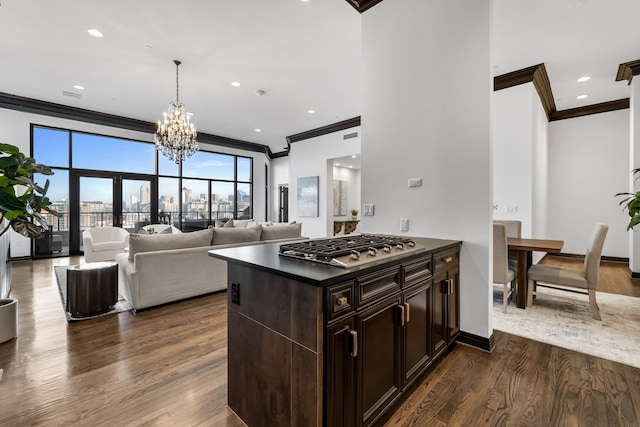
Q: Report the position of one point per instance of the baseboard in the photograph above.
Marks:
(482, 343)
(21, 258)
(634, 274)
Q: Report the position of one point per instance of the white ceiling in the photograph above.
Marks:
(304, 55)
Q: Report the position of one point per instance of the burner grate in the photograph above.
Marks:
(328, 249)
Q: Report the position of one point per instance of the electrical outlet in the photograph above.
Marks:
(512, 209)
(235, 293)
(415, 182)
(368, 209)
(404, 224)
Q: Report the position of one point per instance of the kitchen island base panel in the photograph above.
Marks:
(276, 375)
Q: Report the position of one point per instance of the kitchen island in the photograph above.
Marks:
(311, 344)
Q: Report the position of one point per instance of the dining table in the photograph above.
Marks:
(524, 249)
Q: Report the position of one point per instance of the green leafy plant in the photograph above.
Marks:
(20, 211)
(354, 212)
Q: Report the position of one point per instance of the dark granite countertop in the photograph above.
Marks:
(265, 257)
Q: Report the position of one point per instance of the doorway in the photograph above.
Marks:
(101, 199)
(283, 203)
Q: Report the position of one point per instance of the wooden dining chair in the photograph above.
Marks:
(502, 274)
(568, 279)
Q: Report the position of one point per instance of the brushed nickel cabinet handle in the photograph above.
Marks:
(402, 313)
(354, 343)
(407, 312)
(447, 259)
(341, 301)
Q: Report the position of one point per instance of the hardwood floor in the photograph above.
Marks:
(167, 366)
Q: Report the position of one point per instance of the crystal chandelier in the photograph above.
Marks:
(176, 137)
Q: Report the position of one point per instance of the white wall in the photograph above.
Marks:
(15, 130)
(310, 158)
(512, 121)
(540, 168)
(426, 101)
(588, 165)
(634, 163)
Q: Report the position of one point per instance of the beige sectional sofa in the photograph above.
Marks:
(163, 268)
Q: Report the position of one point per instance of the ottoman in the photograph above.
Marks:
(92, 288)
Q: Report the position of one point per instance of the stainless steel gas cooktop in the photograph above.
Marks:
(351, 251)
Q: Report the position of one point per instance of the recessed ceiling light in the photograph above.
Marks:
(258, 130)
(236, 84)
(354, 156)
(581, 96)
(79, 87)
(584, 79)
(311, 111)
(304, 1)
(350, 166)
(337, 164)
(94, 32)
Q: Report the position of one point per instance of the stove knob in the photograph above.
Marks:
(372, 251)
(386, 248)
(400, 246)
(354, 255)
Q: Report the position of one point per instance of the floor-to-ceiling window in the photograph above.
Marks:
(101, 180)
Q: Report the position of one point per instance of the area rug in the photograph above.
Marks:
(564, 319)
(61, 278)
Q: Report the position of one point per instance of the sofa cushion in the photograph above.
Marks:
(225, 236)
(281, 232)
(160, 242)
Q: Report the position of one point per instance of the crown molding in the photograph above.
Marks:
(324, 130)
(627, 70)
(363, 5)
(603, 107)
(536, 74)
(30, 105)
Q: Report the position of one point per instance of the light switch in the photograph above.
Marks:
(368, 209)
(404, 224)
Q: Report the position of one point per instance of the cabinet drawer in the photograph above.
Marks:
(339, 301)
(446, 259)
(375, 286)
(416, 272)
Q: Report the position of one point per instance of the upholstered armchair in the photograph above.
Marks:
(104, 243)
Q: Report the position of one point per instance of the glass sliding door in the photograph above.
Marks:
(96, 203)
(104, 199)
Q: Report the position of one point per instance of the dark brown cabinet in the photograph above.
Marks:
(341, 342)
(417, 331)
(378, 362)
(446, 298)
(387, 328)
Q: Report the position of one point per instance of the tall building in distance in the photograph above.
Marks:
(145, 193)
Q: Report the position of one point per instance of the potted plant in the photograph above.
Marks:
(354, 214)
(632, 204)
(22, 203)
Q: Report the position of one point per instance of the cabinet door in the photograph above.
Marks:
(417, 331)
(453, 321)
(341, 350)
(440, 312)
(379, 377)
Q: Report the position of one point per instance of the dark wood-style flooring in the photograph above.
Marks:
(167, 367)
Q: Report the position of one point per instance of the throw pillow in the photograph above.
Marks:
(228, 224)
(143, 231)
(221, 222)
(226, 236)
(288, 231)
(145, 243)
(167, 230)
